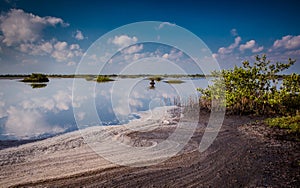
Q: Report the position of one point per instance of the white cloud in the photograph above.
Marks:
(293, 53)
(26, 48)
(282, 49)
(48, 104)
(135, 102)
(129, 57)
(93, 57)
(80, 115)
(214, 55)
(71, 63)
(230, 48)
(38, 49)
(138, 56)
(23, 31)
(62, 52)
(60, 45)
(46, 47)
(59, 56)
(63, 100)
(165, 56)
(234, 32)
(133, 49)
(287, 42)
(54, 21)
(34, 103)
(121, 111)
(74, 47)
(79, 35)
(124, 40)
(27, 119)
(165, 24)
(258, 49)
(28, 123)
(174, 55)
(18, 26)
(249, 45)
(2, 109)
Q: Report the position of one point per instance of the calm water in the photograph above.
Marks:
(41, 111)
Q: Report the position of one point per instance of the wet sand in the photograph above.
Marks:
(239, 157)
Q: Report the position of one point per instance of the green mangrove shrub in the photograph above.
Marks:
(253, 89)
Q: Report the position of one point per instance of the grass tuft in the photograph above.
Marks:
(292, 123)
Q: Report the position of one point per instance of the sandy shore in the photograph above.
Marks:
(240, 156)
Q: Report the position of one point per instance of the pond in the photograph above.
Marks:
(32, 111)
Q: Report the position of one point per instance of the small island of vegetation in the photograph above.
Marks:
(155, 78)
(104, 78)
(36, 77)
(174, 81)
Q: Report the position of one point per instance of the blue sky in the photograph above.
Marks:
(52, 36)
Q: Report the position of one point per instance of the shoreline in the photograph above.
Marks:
(237, 157)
